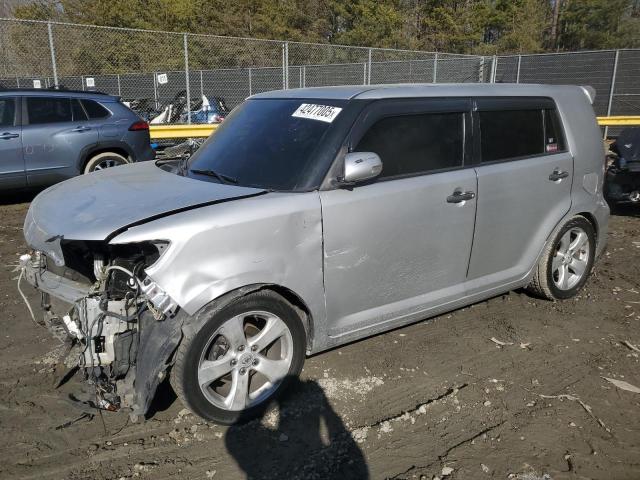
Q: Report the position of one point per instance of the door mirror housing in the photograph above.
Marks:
(360, 166)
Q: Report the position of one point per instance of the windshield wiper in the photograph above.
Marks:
(212, 173)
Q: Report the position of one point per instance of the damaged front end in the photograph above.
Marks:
(125, 325)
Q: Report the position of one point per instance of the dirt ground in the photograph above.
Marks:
(438, 397)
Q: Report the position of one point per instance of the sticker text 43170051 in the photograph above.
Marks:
(324, 113)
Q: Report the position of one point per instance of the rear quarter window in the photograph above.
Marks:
(94, 109)
(553, 133)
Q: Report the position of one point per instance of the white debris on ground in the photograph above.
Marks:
(346, 389)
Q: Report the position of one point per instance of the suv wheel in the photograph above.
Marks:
(566, 262)
(104, 160)
(240, 357)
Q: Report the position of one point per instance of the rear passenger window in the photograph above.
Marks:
(94, 109)
(553, 135)
(7, 112)
(77, 111)
(413, 144)
(506, 134)
(48, 110)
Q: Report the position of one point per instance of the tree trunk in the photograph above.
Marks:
(554, 23)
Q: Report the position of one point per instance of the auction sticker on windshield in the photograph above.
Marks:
(324, 113)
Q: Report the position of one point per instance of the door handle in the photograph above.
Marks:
(558, 175)
(7, 135)
(460, 196)
(81, 129)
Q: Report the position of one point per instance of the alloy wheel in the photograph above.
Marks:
(245, 360)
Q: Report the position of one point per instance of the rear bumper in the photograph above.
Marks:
(147, 153)
(601, 215)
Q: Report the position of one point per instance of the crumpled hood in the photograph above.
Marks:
(94, 206)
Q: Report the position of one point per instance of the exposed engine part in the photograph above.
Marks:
(114, 309)
(162, 302)
(72, 327)
(100, 320)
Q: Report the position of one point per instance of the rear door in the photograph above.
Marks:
(56, 133)
(524, 186)
(399, 245)
(11, 159)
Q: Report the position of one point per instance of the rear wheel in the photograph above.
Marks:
(104, 160)
(566, 262)
(239, 358)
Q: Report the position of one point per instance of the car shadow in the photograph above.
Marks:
(300, 436)
(18, 196)
(625, 210)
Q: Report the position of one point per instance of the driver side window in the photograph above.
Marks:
(415, 144)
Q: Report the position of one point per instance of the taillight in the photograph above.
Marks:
(139, 125)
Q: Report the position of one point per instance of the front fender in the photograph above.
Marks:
(272, 239)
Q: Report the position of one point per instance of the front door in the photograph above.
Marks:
(399, 245)
(11, 159)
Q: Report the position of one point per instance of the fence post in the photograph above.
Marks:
(435, 68)
(53, 54)
(369, 69)
(364, 73)
(155, 89)
(304, 76)
(494, 68)
(611, 90)
(285, 65)
(481, 70)
(119, 90)
(186, 76)
(250, 83)
(518, 72)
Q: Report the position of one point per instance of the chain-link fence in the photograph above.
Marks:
(154, 67)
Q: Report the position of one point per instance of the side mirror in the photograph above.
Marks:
(361, 166)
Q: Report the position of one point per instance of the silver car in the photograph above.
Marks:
(310, 219)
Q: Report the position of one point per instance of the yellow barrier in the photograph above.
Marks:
(618, 121)
(181, 131)
(195, 131)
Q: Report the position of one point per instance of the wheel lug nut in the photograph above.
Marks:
(241, 348)
(254, 348)
(255, 362)
(233, 362)
(243, 371)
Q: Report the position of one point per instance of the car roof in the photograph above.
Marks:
(415, 90)
(45, 92)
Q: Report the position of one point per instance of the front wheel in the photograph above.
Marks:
(566, 262)
(239, 358)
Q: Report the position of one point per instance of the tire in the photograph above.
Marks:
(213, 345)
(566, 262)
(104, 160)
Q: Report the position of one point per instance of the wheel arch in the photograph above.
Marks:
(592, 220)
(288, 295)
(98, 149)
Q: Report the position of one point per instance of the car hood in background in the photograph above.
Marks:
(94, 206)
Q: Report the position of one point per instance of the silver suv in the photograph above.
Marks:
(313, 218)
(50, 135)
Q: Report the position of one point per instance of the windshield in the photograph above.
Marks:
(262, 144)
